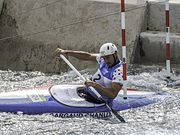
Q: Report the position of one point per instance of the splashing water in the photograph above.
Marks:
(160, 118)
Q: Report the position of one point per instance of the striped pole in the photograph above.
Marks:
(123, 30)
(168, 68)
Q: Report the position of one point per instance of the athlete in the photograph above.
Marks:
(108, 78)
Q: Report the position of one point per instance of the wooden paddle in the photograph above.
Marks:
(113, 112)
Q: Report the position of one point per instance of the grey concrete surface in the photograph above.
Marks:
(152, 48)
(82, 25)
(69, 24)
(156, 17)
(151, 45)
(1, 5)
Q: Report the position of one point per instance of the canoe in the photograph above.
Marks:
(64, 101)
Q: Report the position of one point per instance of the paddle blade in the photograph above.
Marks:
(120, 118)
(113, 112)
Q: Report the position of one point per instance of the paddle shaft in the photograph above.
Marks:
(72, 67)
(79, 74)
(113, 112)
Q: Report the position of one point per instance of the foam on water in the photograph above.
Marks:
(160, 118)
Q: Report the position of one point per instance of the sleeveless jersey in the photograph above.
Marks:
(106, 76)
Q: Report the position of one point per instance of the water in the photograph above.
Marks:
(161, 118)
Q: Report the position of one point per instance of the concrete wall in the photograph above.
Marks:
(156, 17)
(69, 24)
(153, 48)
(1, 5)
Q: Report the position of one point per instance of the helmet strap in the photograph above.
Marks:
(116, 60)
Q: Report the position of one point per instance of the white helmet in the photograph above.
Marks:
(107, 49)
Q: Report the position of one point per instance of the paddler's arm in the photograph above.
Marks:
(77, 54)
(109, 92)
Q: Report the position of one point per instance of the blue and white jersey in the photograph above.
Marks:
(105, 75)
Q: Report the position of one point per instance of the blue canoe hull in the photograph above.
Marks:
(63, 101)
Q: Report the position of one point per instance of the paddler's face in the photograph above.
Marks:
(109, 59)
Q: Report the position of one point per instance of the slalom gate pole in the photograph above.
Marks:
(123, 31)
(168, 68)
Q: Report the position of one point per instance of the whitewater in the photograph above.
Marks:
(160, 118)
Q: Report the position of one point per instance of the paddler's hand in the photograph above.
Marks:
(90, 83)
(59, 51)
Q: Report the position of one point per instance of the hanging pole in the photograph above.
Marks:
(168, 68)
(123, 31)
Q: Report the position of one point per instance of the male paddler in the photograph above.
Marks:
(108, 78)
